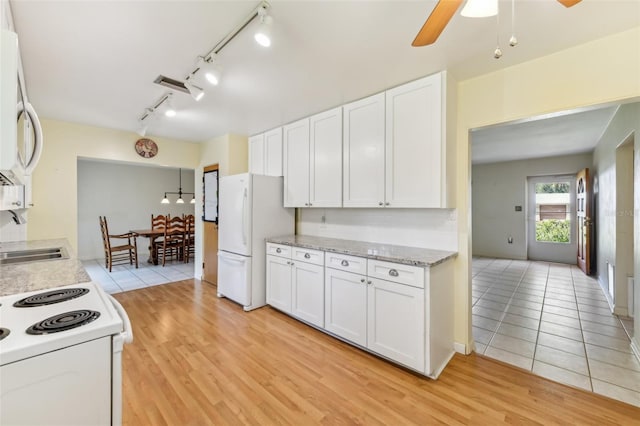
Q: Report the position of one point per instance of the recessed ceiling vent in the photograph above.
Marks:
(171, 83)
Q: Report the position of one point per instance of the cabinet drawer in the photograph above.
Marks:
(279, 250)
(307, 255)
(345, 262)
(396, 272)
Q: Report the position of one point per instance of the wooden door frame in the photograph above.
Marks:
(584, 221)
(207, 229)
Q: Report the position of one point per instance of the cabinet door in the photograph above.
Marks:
(395, 322)
(345, 312)
(363, 153)
(308, 293)
(256, 154)
(279, 283)
(296, 164)
(273, 152)
(326, 159)
(414, 141)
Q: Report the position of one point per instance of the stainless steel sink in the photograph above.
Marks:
(35, 255)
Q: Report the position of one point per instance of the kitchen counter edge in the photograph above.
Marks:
(386, 252)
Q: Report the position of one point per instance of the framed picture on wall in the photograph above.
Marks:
(210, 196)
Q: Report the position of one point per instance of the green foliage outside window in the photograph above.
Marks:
(553, 231)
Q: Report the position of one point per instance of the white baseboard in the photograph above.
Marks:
(461, 348)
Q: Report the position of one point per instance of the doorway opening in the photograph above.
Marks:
(551, 215)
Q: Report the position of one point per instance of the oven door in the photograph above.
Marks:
(70, 386)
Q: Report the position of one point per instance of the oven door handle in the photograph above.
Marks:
(127, 334)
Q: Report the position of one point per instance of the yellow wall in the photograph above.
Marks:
(602, 71)
(55, 194)
(230, 152)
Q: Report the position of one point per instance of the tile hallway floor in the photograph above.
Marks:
(127, 277)
(551, 319)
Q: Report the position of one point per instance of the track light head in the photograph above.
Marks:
(196, 92)
(263, 34)
(170, 111)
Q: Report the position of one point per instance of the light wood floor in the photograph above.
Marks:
(200, 360)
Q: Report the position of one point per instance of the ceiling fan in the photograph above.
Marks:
(442, 14)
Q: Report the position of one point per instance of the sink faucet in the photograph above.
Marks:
(18, 219)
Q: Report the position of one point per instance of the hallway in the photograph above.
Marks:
(551, 319)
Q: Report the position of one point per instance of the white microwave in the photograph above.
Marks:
(20, 131)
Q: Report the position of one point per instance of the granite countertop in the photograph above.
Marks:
(387, 252)
(43, 274)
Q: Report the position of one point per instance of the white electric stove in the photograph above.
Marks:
(61, 351)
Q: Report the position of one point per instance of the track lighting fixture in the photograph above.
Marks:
(208, 65)
(263, 34)
(196, 92)
(170, 111)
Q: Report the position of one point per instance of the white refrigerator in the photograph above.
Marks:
(250, 210)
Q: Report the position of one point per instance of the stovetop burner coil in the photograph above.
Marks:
(4, 332)
(63, 322)
(51, 297)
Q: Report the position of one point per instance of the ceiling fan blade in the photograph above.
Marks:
(439, 18)
(569, 3)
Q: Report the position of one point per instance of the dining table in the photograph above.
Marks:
(153, 235)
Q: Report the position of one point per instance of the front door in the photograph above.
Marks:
(584, 221)
(210, 244)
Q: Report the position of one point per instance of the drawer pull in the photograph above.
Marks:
(307, 256)
(344, 263)
(361, 280)
(278, 250)
(369, 282)
(393, 273)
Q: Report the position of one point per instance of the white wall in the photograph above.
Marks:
(624, 123)
(425, 228)
(497, 188)
(127, 195)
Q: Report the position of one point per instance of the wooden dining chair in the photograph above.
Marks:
(190, 233)
(118, 254)
(173, 240)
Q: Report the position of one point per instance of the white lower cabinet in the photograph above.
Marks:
(296, 287)
(401, 312)
(345, 308)
(395, 322)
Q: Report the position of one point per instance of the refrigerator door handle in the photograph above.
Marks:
(244, 217)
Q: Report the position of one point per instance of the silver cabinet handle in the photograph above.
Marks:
(310, 204)
(288, 263)
(381, 203)
(278, 250)
(361, 280)
(369, 282)
(344, 263)
(17, 203)
(393, 273)
(387, 203)
(306, 204)
(307, 256)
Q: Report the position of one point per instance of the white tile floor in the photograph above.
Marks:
(127, 277)
(553, 320)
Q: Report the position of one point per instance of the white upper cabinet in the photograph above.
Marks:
(265, 153)
(256, 154)
(273, 152)
(414, 144)
(364, 152)
(325, 183)
(296, 163)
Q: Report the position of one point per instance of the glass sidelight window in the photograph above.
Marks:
(553, 211)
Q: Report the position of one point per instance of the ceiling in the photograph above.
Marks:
(94, 62)
(567, 133)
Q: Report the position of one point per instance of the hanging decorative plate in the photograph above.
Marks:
(146, 148)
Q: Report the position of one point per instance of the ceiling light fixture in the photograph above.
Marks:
(180, 200)
(480, 8)
(263, 34)
(210, 67)
(170, 110)
(196, 92)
